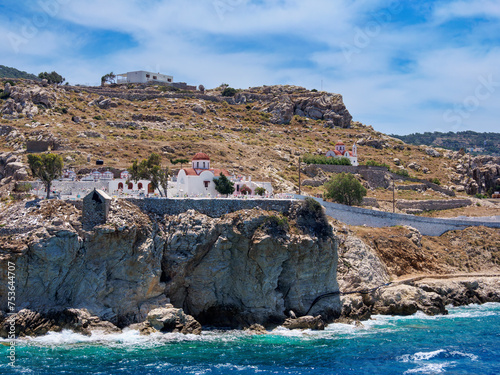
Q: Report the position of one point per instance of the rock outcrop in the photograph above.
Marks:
(243, 268)
(314, 323)
(32, 323)
(22, 100)
(170, 319)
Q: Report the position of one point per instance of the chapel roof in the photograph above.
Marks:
(201, 156)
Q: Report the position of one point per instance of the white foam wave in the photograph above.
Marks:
(426, 356)
(431, 368)
(421, 356)
(127, 337)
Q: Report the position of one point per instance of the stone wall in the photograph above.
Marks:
(377, 219)
(210, 207)
(433, 204)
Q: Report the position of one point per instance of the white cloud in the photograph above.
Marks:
(184, 39)
(474, 8)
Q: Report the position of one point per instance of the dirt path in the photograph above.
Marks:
(412, 279)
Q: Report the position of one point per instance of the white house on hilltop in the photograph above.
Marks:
(199, 179)
(341, 152)
(141, 76)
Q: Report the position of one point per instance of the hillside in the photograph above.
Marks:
(7, 72)
(261, 131)
(473, 142)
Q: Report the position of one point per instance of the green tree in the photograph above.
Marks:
(260, 191)
(179, 161)
(345, 189)
(52, 77)
(110, 77)
(46, 167)
(150, 169)
(223, 185)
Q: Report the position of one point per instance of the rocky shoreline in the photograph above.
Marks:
(251, 269)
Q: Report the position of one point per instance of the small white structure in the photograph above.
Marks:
(341, 152)
(198, 181)
(125, 186)
(108, 175)
(141, 76)
(69, 175)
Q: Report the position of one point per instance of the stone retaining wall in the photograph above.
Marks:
(209, 207)
(377, 219)
(431, 205)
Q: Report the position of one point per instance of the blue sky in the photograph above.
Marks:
(402, 66)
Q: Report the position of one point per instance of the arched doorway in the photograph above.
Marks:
(120, 186)
(150, 189)
(130, 186)
(139, 186)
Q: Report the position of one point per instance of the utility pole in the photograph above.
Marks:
(299, 177)
(393, 195)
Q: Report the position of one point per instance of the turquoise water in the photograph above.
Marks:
(467, 341)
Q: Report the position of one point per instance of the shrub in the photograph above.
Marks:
(344, 188)
(260, 191)
(229, 91)
(435, 180)
(402, 172)
(312, 219)
(314, 90)
(276, 225)
(98, 117)
(481, 196)
(22, 187)
(245, 190)
(322, 159)
(373, 163)
(53, 77)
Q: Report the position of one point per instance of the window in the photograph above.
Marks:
(147, 76)
(203, 165)
(155, 77)
(169, 80)
(207, 183)
(237, 187)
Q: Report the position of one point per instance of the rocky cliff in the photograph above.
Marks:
(245, 267)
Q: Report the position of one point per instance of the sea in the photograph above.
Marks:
(466, 341)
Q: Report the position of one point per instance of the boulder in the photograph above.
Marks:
(106, 103)
(407, 300)
(170, 319)
(315, 323)
(282, 110)
(199, 109)
(44, 97)
(432, 152)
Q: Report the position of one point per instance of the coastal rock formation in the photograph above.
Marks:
(407, 300)
(240, 270)
(243, 268)
(305, 322)
(113, 271)
(170, 319)
(32, 323)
